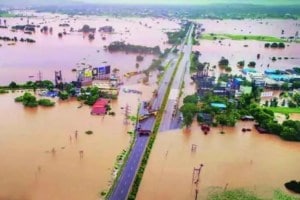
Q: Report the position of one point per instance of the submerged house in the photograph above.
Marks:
(106, 29)
(100, 107)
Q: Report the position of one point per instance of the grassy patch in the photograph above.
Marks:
(284, 110)
(2, 91)
(241, 37)
(233, 194)
(6, 14)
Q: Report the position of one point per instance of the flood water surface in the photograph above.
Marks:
(29, 169)
(20, 61)
(260, 163)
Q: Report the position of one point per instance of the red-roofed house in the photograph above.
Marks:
(99, 108)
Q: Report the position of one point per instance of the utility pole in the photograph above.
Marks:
(196, 179)
(194, 148)
(40, 76)
(126, 114)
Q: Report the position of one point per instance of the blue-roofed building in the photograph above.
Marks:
(218, 105)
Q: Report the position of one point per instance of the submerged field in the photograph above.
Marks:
(259, 163)
(21, 61)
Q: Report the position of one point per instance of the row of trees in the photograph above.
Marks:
(175, 38)
(195, 64)
(129, 48)
(15, 39)
(46, 84)
(279, 45)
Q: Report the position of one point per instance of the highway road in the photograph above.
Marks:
(171, 118)
(122, 188)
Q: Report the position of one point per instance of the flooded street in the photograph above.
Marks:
(29, 169)
(260, 163)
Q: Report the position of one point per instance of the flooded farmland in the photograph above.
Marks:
(260, 163)
(268, 27)
(49, 53)
(247, 50)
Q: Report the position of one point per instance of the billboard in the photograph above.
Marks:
(97, 73)
(104, 70)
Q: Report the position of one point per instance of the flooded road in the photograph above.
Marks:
(261, 163)
(29, 169)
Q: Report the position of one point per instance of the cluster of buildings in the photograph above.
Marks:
(233, 87)
(271, 78)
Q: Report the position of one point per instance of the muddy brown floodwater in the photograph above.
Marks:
(269, 27)
(261, 163)
(29, 169)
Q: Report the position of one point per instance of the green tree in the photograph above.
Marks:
(63, 95)
(191, 99)
(251, 64)
(296, 84)
(13, 85)
(222, 120)
(188, 119)
(296, 98)
(285, 86)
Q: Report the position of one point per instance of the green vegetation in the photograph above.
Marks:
(2, 91)
(139, 175)
(91, 94)
(195, 64)
(130, 48)
(275, 45)
(6, 14)
(189, 109)
(288, 130)
(213, 36)
(160, 76)
(280, 195)
(284, 110)
(30, 100)
(46, 102)
(242, 194)
(155, 65)
(175, 38)
(239, 194)
(46, 84)
(223, 63)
